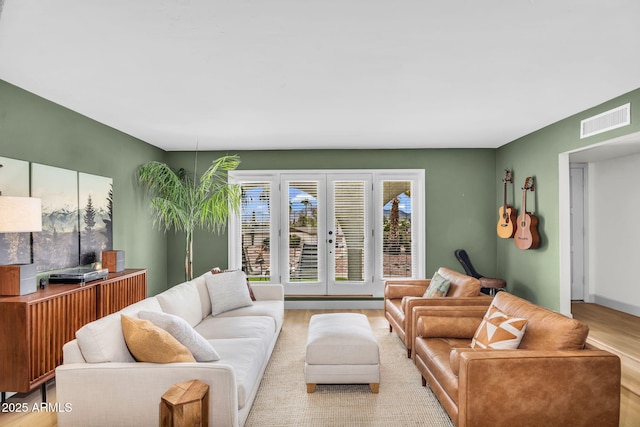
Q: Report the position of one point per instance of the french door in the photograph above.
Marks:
(329, 232)
(326, 238)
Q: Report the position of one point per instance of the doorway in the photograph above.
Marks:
(326, 237)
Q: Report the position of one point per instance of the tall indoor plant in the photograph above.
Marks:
(182, 202)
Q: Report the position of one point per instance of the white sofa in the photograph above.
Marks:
(103, 384)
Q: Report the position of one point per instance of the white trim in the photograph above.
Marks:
(564, 226)
(623, 145)
(334, 304)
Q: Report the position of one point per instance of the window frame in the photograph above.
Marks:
(418, 213)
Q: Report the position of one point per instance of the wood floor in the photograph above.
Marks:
(609, 329)
(618, 333)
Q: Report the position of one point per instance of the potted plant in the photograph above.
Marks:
(182, 202)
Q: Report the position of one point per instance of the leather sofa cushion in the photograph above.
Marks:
(546, 329)
(461, 284)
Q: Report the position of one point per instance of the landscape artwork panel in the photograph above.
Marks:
(57, 246)
(95, 197)
(15, 248)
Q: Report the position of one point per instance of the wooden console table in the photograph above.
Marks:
(34, 327)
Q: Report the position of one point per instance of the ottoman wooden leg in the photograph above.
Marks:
(375, 387)
(311, 388)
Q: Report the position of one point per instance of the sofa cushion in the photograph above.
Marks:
(201, 349)
(247, 356)
(438, 287)
(498, 330)
(461, 284)
(150, 343)
(200, 283)
(546, 329)
(102, 340)
(228, 291)
(271, 308)
(182, 300)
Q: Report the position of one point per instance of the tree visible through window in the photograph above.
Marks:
(397, 242)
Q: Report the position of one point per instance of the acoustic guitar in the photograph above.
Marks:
(507, 221)
(527, 236)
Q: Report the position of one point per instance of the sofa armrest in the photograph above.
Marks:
(128, 394)
(396, 289)
(71, 353)
(422, 306)
(512, 387)
(268, 291)
(447, 322)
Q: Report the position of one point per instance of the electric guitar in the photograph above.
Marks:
(507, 222)
(527, 236)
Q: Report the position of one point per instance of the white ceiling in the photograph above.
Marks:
(281, 74)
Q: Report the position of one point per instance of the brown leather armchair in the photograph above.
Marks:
(401, 296)
(552, 379)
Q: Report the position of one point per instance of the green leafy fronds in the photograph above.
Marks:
(182, 203)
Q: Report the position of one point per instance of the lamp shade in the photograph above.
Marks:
(20, 214)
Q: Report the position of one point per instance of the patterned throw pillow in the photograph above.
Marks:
(149, 343)
(438, 287)
(498, 330)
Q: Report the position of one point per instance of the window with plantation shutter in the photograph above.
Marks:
(256, 229)
(350, 230)
(303, 231)
(397, 241)
(338, 232)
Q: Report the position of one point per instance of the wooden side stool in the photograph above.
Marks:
(185, 405)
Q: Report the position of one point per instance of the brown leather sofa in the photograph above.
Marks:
(552, 379)
(401, 296)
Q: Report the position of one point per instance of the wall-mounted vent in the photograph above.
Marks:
(608, 120)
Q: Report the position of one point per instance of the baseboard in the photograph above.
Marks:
(330, 304)
(616, 305)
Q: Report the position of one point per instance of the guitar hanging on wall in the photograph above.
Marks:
(507, 222)
(527, 236)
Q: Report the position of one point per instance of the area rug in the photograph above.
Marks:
(282, 399)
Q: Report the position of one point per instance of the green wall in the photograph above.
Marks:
(460, 211)
(40, 131)
(463, 188)
(535, 274)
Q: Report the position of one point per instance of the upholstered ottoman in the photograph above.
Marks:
(341, 349)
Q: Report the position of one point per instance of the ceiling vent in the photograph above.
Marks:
(608, 120)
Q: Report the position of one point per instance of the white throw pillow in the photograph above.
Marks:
(228, 291)
(183, 300)
(201, 349)
(102, 340)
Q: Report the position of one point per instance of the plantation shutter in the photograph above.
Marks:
(256, 229)
(350, 232)
(303, 231)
